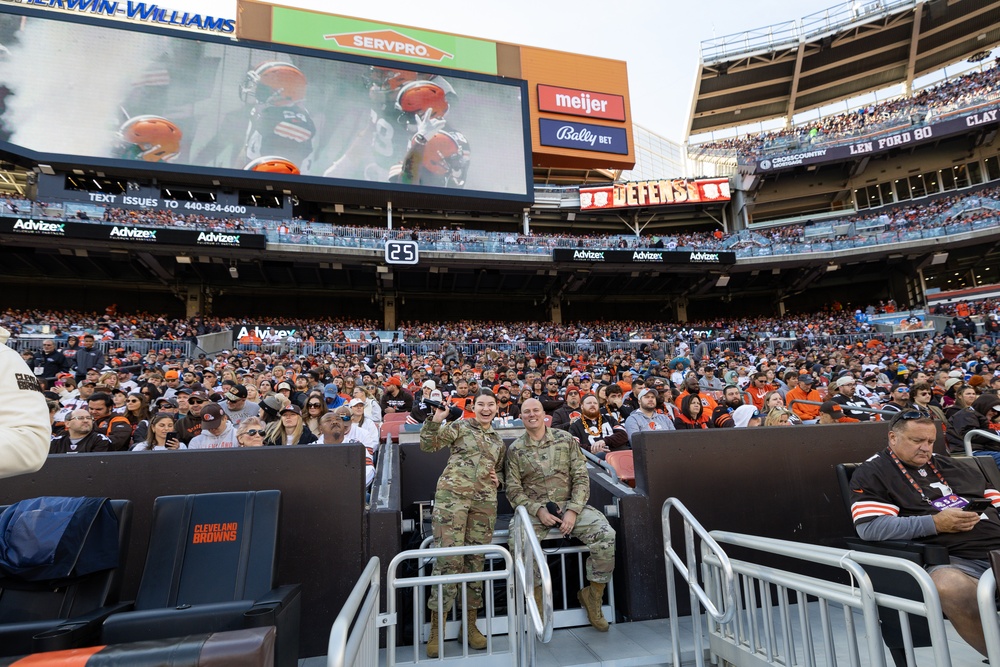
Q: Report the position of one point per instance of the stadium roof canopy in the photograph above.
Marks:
(847, 50)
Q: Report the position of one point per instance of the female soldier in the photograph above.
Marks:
(465, 503)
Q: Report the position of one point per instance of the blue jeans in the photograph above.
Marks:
(995, 455)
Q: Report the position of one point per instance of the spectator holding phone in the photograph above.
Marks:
(905, 492)
(465, 504)
(161, 435)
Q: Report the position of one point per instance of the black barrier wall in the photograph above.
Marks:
(775, 482)
(322, 509)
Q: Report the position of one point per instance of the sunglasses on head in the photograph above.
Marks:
(910, 415)
(255, 431)
(345, 418)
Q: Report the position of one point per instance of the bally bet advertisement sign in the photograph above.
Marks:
(343, 34)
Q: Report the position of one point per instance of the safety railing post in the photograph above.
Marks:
(986, 593)
(974, 433)
(354, 636)
(532, 623)
(688, 567)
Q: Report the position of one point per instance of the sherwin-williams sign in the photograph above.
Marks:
(359, 37)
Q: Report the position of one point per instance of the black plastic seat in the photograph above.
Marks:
(211, 567)
(31, 611)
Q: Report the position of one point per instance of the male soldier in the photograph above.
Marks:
(546, 466)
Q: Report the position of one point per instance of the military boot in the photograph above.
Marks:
(432, 642)
(590, 598)
(476, 639)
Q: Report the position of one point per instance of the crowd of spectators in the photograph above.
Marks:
(730, 367)
(166, 218)
(883, 225)
(957, 93)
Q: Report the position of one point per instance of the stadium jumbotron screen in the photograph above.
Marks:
(96, 92)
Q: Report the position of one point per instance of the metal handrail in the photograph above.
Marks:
(967, 440)
(690, 573)
(524, 561)
(345, 646)
(394, 581)
(851, 561)
(603, 465)
(986, 592)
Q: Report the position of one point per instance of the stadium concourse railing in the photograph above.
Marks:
(186, 349)
(744, 244)
(803, 137)
(549, 349)
(789, 33)
(182, 348)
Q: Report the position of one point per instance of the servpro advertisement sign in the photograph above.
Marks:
(367, 38)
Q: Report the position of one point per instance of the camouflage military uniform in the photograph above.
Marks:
(554, 469)
(465, 504)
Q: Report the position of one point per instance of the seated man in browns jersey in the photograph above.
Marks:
(596, 430)
(905, 492)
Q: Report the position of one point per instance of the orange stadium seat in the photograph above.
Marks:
(624, 465)
(390, 429)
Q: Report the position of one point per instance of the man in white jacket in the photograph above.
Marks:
(24, 418)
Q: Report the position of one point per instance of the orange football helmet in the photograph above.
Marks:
(447, 153)
(150, 138)
(275, 83)
(416, 97)
(272, 164)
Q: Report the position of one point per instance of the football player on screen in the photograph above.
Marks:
(406, 105)
(279, 123)
(148, 138)
(435, 156)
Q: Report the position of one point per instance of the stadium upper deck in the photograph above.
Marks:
(849, 49)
